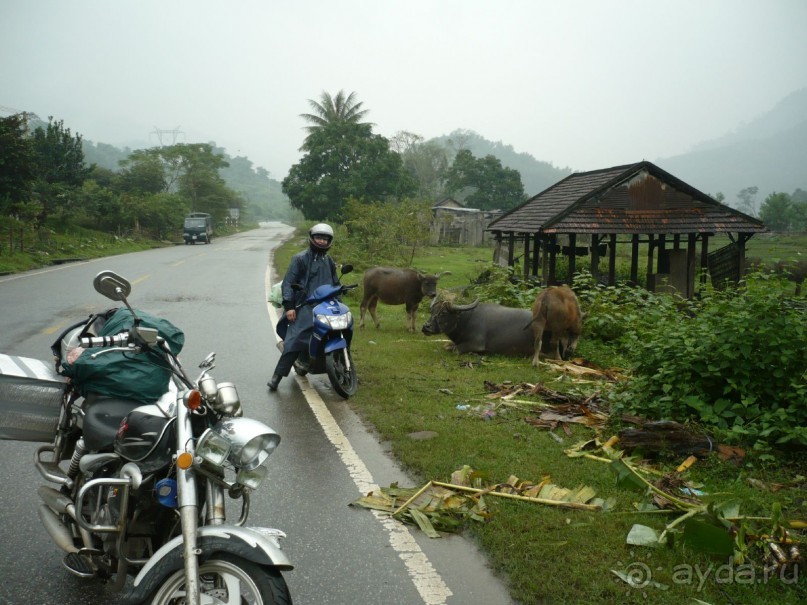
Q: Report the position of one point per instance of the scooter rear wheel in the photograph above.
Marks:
(341, 372)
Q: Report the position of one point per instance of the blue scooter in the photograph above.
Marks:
(329, 347)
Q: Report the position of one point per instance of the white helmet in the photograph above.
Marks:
(322, 230)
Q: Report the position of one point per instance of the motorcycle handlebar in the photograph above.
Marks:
(117, 340)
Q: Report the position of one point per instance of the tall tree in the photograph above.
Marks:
(775, 212)
(427, 162)
(330, 110)
(345, 160)
(17, 163)
(484, 183)
(798, 213)
(60, 167)
(748, 201)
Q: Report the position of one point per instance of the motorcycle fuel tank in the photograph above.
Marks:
(146, 436)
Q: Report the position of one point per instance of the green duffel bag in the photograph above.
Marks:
(141, 377)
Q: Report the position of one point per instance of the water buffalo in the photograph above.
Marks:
(482, 328)
(397, 287)
(556, 318)
(794, 270)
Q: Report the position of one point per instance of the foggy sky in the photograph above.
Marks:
(583, 84)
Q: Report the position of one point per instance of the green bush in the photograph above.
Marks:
(734, 361)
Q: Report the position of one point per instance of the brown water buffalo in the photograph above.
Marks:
(482, 328)
(556, 317)
(394, 286)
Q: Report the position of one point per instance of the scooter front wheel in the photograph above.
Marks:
(226, 578)
(341, 372)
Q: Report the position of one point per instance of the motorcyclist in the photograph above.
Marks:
(309, 269)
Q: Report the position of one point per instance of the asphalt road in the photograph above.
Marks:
(217, 294)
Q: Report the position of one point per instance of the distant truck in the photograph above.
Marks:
(198, 228)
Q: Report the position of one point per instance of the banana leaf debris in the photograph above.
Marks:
(446, 507)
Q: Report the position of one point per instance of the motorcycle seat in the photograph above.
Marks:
(102, 418)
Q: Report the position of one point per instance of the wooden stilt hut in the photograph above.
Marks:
(648, 211)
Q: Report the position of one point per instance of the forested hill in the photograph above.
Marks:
(535, 174)
(769, 152)
(262, 194)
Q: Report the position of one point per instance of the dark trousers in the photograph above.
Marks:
(287, 360)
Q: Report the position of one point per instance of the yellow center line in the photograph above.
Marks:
(52, 329)
(140, 279)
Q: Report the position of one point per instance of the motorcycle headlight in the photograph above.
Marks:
(251, 479)
(337, 322)
(227, 401)
(250, 442)
(213, 447)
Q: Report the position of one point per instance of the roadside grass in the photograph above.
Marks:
(53, 244)
(408, 383)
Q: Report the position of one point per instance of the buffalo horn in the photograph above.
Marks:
(468, 307)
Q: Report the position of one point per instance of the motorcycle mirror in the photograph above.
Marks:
(112, 285)
(346, 269)
(148, 335)
(208, 361)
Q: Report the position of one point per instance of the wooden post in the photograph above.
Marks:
(704, 258)
(595, 256)
(536, 253)
(662, 240)
(526, 255)
(552, 258)
(612, 261)
(691, 247)
(511, 243)
(572, 257)
(634, 260)
(651, 242)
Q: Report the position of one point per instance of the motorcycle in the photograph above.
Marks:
(143, 484)
(329, 345)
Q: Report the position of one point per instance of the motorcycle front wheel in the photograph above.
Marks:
(226, 579)
(342, 379)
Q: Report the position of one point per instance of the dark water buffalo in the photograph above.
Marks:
(397, 287)
(482, 328)
(556, 323)
(794, 270)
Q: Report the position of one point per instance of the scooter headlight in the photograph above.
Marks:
(337, 322)
(250, 443)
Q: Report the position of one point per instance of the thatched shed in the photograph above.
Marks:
(640, 205)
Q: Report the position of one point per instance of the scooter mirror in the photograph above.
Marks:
(346, 269)
(112, 285)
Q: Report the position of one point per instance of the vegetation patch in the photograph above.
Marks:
(481, 414)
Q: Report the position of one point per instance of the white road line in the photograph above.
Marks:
(431, 587)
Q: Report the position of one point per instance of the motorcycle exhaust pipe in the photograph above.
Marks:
(62, 505)
(54, 499)
(58, 531)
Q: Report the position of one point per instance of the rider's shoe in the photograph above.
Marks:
(273, 382)
(302, 367)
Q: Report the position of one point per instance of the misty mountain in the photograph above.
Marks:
(536, 175)
(769, 152)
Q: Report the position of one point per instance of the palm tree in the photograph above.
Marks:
(330, 110)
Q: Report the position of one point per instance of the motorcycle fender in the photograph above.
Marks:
(335, 343)
(258, 544)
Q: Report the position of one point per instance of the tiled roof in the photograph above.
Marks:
(602, 201)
